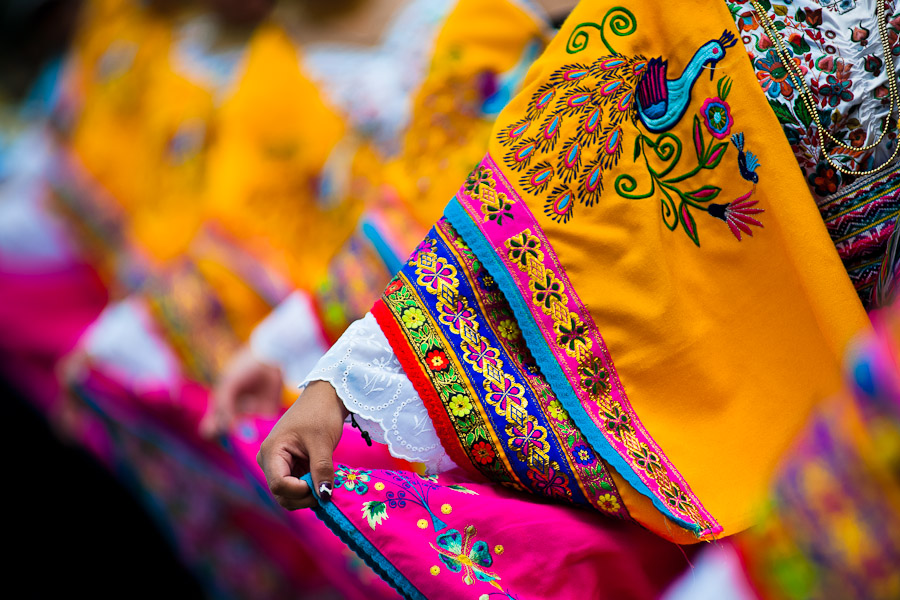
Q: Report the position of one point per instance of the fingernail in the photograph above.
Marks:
(325, 490)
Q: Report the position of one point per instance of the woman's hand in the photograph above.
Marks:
(247, 386)
(302, 442)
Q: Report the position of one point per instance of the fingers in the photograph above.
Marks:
(321, 466)
(288, 490)
(293, 503)
(303, 441)
(247, 387)
(210, 425)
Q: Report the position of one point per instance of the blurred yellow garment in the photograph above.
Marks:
(169, 206)
(113, 58)
(479, 60)
(269, 141)
(272, 140)
(141, 129)
(265, 231)
(225, 198)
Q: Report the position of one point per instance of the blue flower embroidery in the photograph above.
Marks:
(353, 480)
(836, 90)
(583, 454)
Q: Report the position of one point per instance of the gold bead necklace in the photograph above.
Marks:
(810, 103)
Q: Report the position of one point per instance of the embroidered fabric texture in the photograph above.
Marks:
(370, 382)
(837, 48)
(289, 338)
(861, 219)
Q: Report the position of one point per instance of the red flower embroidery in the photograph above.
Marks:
(437, 360)
(857, 137)
(860, 35)
(748, 21)
(825, 179)
(483, 453)
(813, 17)
(393, 287)
(552, 483)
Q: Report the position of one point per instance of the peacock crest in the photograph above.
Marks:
(602, 97)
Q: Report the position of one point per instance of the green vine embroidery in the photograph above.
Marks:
(662, 155)
(621, 22)
(676, 202)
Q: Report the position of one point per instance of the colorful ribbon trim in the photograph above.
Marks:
(566, 342)
(458, 341)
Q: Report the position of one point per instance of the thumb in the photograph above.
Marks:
(321, 466)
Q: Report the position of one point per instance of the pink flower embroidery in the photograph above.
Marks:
(482, 354)
(456, 316)
(499, 395)
(717, 117)
(433, 276)
(552, 483)
(426, 246)
(737, 214)
(528, 438)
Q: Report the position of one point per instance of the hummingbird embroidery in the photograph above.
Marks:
(747, 161)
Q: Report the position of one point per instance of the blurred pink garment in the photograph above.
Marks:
(42, 315)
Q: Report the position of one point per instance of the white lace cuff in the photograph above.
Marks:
(290, 338)
(370, 382)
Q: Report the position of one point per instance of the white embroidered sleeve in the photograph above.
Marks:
(289, 338)
(370, 382)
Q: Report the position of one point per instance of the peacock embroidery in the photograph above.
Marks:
(603, 97)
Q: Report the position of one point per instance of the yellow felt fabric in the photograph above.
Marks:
(141, 129)
(724, 348)
(172, 176)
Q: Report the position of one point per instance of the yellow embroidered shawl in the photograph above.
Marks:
(647, 225)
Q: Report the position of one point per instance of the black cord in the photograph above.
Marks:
(365, 434)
